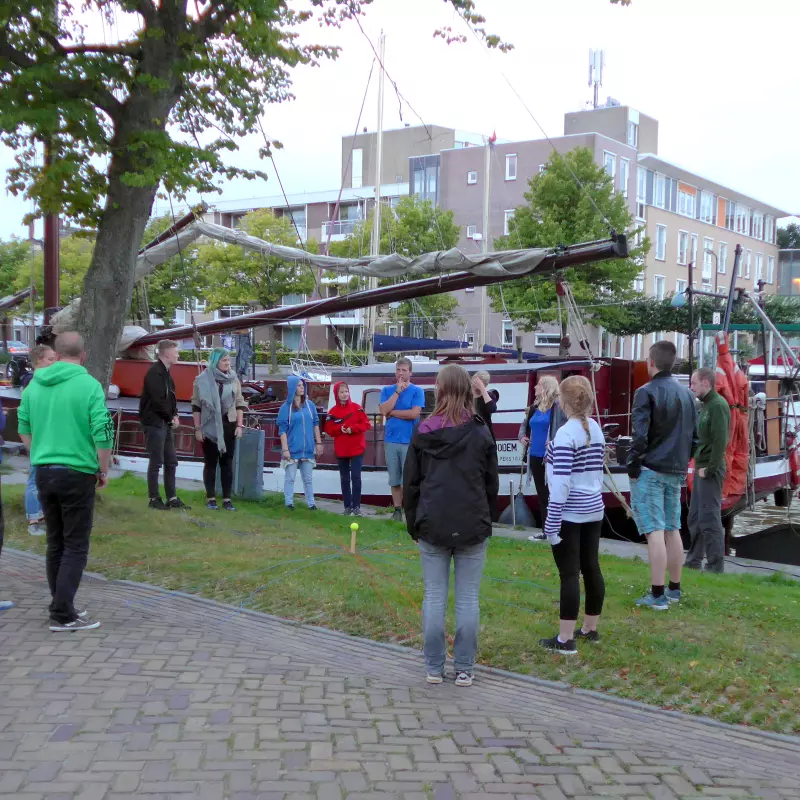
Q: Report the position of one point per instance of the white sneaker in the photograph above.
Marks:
(76, 625)
(36, 529)
(464, 679)
(435, 678)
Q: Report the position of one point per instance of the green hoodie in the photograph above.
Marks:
(64, 412)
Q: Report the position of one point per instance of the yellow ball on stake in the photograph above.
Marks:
(353, 530)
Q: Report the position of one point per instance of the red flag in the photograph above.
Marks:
(493, 137)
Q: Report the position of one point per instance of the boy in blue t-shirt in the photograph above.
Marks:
(401, 404)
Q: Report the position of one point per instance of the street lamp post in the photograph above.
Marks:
(716, 267)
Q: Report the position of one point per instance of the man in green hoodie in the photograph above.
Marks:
(66, 427)
(705, 508)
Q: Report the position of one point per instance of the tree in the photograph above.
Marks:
(789, 237)
(560, 212)
(413, 227)
(14, 254)
(237, 277)
(75, 255)
(160, 107)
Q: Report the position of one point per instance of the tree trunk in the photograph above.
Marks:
(273, 351)
(108, 287)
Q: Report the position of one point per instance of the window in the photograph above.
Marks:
(694, 249)
(741, 265)
(472, 176)
(508, 333)
(469, 338)
(661, 191)
(680, 344)
(641, 192)
(633, 134)
(179, 317)
(742, 220)
(758, 225)
(685, 203)
(730, 215)
(708, 208)
(747, 262)
(548, 340)
(638, 283)
(759, 267)
(661, 242)
(293, 299)
(391, 330)
(511, 167)
(226, 312)
(683, 247)
(472, 231)
(769, 229)
(770, 269)
(610, 164)
(542, 169)
(638, 340)
(508, 215)
(290, 337)
(708, 254)
(680, 286)
(358, 168)
(722, 262)
(659, 286)
(624, 175)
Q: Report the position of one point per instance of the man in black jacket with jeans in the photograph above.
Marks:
(664, 432)
(158, 413)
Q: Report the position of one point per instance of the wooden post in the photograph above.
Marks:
(513, 506)
(353, 534)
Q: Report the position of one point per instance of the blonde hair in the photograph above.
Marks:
(454, 394)
(484, 377)
(549, 392)
(576, 394)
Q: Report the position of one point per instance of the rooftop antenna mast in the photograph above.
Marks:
(596, 63)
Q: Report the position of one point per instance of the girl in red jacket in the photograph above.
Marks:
(346, 422)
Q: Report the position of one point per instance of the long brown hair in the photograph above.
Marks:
(454, 394)
(577, 395)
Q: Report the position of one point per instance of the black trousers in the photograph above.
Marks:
(161, 449)
(578, 554)
(542, 492)
(212, 457)
(67, 498)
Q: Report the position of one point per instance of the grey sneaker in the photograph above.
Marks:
(76, 625)
(397, 515)
(36, 529)
(672, 595)
(656, 603)
(464, 679)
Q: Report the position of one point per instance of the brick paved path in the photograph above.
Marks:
(174, 698)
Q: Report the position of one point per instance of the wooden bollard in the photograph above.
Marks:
(353, 534)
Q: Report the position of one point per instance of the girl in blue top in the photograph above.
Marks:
(543, 419)
(301, 442)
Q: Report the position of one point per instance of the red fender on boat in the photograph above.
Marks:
(733, 386)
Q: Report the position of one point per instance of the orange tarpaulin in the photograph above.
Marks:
(733, 386)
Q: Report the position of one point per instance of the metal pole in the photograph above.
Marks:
(726, 322)
(690, 292)
(774, 332)
(376, 216)
(487, 172)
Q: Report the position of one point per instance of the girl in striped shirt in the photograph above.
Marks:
(574, 461)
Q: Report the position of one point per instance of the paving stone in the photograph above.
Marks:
(173, 699)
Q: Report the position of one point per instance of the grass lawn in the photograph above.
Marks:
(730, 649)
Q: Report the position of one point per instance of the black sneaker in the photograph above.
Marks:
(347, 511)
(176, 502)
(312, 508)
(76, 625)
(464, 679)
(557, 646)
(289, 508)
(228, 506)
(397, 515)
(591, 636)
(357, 512)
(158, 504)
(211, 505)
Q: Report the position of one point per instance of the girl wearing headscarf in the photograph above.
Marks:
(301, 442)
(218, 411)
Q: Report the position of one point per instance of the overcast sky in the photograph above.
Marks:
(720, 76)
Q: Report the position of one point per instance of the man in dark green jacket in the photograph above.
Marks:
(705, 508)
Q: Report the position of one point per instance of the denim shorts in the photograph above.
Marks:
(395, 461)
(656, 501)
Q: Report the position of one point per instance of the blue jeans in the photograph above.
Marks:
(33, 508)
(656, 501)
(350, 473)
(436, 574)
(306, 471)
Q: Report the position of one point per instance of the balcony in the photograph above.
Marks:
(344, 318)
(339, 229)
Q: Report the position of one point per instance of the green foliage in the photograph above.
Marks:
(789, 237)
(412, 228)
(237, 276)
(15, 256)
(559, 212)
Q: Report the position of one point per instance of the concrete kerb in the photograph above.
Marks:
(413, 654)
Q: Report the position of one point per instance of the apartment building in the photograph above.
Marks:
(789, 273)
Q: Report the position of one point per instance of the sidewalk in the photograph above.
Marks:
(176, 697)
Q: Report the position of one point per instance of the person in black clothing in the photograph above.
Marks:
(158, 414)
(452, 456)
(485, 404)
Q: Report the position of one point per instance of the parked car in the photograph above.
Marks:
(14, 347)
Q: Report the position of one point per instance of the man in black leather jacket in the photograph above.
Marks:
(664, 431)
